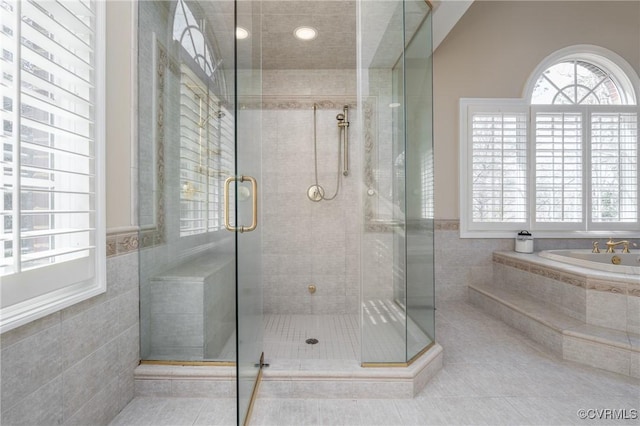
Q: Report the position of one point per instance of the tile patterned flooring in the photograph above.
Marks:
(492, 375)
(285, 335)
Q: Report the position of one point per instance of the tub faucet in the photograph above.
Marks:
(612, 244)
(595, 247)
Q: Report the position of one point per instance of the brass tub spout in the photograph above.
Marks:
(612, 244)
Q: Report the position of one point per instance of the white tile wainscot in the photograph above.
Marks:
(580, 314)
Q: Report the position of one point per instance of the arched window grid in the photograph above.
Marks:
(576, 130)
(587, 84)
(201, 53)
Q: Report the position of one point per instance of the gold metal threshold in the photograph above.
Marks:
(398, 364)
(190, 363)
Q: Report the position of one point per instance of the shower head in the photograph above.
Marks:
(340, 117)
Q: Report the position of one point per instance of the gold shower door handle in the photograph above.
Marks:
(254, 207)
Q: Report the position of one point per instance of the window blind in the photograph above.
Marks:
(206, 156)
(48, 163)
(499, 166)
(614, 167)
(558, 166)
(52, 233)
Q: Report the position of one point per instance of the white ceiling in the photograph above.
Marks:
(335, 20)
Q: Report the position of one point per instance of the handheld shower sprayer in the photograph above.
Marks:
(343, 124)
(316, 192)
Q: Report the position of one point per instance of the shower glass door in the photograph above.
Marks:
(248, 113)
(199, 120)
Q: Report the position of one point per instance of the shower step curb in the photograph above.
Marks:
(292, 379)
(347, 379)
(185, 381)
(566, 337)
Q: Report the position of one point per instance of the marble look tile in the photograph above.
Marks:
(180, 411)
(378, 412)
(84, 333)
(29, 364)
(266, 412)
(152, 388)
(128, 305)
(122, 274)
(17, 334)
(176, 297)
(203, 388)
(633, 315)
(126, 388)
(100, 409)
(42, 407)
(216, 412)
(607, 309)
(597, 355)
(420, 412)
(544, 411)
(141, 411)
(479, 411)
(338, 412)
(87, 377)
(299, 412)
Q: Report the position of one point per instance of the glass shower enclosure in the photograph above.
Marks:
(200, 192)
(199, 168)
(395, 93)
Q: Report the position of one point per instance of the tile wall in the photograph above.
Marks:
(75, 366)
(306, 242)
(460, 262)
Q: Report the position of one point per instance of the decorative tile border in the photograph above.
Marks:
(122, 243)
(607, 286)
(447, 224)
(576, 280)
(302, 102)
(156, 235)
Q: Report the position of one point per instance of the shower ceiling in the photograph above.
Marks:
(334, 47)
(335, 20)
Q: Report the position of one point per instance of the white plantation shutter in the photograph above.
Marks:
(206, 156)
(497, 158)
(564, 161)
(614, 167)
(196, 129)
(52, 230)
(558, 149)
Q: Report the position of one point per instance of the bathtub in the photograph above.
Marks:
(629, 262)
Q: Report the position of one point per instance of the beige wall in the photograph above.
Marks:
(121, 162)
(490, 53)
(494, 48)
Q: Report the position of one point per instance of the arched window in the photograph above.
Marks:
(186, 30)
(583, 75)
(576, 83)
(562, 159)
(206, 126)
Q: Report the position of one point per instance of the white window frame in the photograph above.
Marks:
(32, 294)
(587, 228)
(467, 107)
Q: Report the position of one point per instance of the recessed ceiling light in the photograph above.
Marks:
(305, 33)
(241, 33)
(394, 105)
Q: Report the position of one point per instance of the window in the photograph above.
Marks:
(206, 129)
(53, 232)
(562, 160)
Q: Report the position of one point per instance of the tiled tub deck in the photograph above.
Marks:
(580, 314)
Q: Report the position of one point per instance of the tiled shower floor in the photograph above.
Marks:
(285, 336)
(492, 375)
(338, 335)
